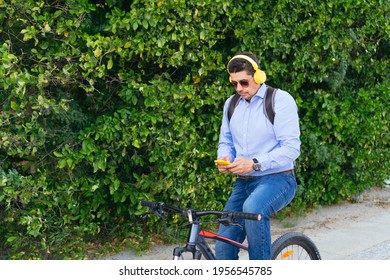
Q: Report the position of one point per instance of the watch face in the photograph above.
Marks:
(257, 166)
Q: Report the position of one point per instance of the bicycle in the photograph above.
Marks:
(289, 246)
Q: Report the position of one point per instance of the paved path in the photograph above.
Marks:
(350, 231)
(364, 240)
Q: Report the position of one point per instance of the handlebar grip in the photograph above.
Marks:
(247, 216)
(149, 204)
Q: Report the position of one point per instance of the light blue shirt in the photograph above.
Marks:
(251, 135)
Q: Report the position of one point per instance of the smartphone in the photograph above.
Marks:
(221, 162)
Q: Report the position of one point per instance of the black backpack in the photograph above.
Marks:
(269, 102)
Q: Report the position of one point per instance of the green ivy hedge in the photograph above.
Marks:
(105, 103)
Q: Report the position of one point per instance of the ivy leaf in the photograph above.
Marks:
(136, 143)
(109, 64)
(14, 106)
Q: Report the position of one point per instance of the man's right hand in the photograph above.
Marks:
(223, 168)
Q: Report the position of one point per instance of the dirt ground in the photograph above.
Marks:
(372, 202)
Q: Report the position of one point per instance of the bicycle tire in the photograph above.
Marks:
(294, 246)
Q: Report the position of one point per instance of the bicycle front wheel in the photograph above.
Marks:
(294, 246)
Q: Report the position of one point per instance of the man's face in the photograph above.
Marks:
(244, 84)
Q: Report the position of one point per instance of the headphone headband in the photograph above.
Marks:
(247, 58)
(259, 75)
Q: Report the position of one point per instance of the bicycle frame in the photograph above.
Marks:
(196, 239)
(291, 246)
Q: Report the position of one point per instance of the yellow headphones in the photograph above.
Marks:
(259, 76)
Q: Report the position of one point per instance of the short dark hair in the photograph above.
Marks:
(241, 64)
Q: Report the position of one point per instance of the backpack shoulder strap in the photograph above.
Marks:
(269, 104)
(232, 105)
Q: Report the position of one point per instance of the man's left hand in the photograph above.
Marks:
(241, 166)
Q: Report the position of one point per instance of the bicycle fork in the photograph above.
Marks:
(190, 246)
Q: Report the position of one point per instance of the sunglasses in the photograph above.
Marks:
(243, 83)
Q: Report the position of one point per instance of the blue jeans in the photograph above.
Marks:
(264, 195)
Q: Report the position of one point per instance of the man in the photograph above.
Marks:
(262, 156)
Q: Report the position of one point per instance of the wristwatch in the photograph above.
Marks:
(256, 165)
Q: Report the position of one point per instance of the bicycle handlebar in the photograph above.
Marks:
(160, 208)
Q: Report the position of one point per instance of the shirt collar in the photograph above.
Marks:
(261, 91)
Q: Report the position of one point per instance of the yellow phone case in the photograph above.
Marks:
(221, 162)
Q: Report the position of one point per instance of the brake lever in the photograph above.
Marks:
(229, 221)
(157, 212)
(238, 225)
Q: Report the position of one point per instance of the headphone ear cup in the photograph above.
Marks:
(230, 79)
(259, 76)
